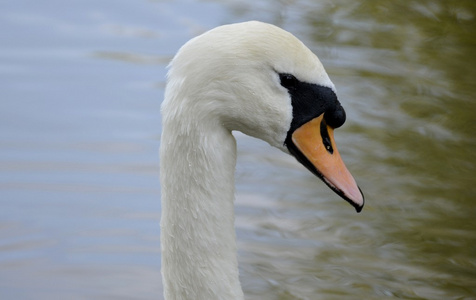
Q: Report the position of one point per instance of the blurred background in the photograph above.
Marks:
(81, 83)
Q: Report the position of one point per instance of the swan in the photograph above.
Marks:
(251, 77)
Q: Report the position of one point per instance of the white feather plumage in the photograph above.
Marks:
(224, 80)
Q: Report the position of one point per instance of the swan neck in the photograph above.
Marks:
(197, 226)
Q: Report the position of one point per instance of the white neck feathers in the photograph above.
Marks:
(198, 160)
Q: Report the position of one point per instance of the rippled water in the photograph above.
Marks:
(80, 90)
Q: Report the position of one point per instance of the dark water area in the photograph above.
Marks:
(81, 84)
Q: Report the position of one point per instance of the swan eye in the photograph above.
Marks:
(288, 80)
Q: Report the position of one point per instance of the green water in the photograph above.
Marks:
(405, 72)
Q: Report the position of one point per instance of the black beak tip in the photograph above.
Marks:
(358, 208)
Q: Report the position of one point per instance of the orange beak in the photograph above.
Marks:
(315, 141)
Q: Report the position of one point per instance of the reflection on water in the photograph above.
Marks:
(79, 132)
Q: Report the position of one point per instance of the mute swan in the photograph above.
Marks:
(260, 80)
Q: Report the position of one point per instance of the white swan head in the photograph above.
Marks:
(261, 80)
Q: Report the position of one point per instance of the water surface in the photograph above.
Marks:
(80, 90)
